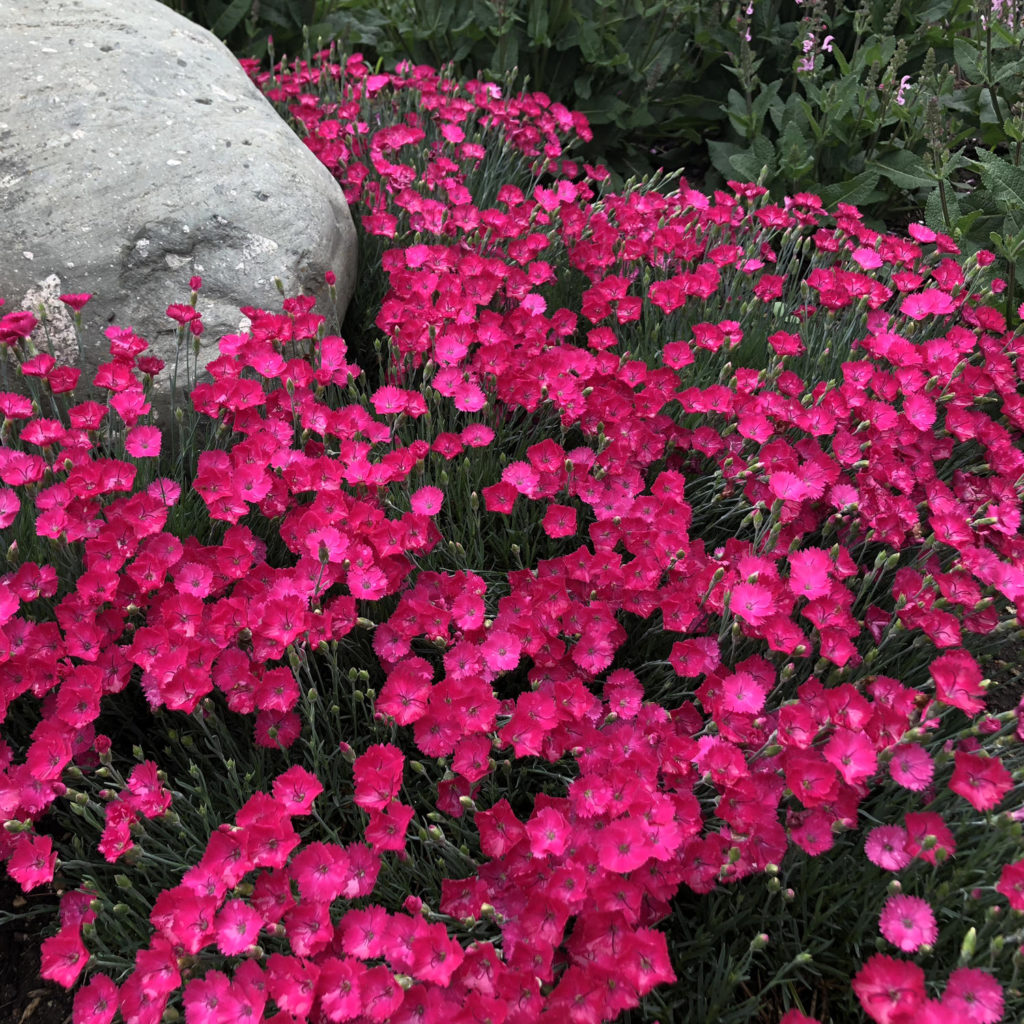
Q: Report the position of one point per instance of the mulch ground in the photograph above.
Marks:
(24, 997)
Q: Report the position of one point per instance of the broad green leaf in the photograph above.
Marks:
(581, 86)
(506, 56)
(904, 169)
(1002, 179)
(796, 154)
(766, 98)
(1013, 230)
(937, 12)
(933, 215)
(856, 191)
(741, 123)
(1015, 67)
(764, 151)
(302, 11)
(844, 67)
(230, 18)
(721, 154)
(966, 54)
(746, 165)
(537, 23)
(590, 42)
(811, 121)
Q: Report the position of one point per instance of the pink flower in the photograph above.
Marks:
(16, 325)
(209, 999)
(501, 650)
(64, 956)
(560, 521)
(368, 583)
(928, 837)
(889, 990)
(96, 1002)
(697, 657)
(182, 313)
(143, 442)
(378, 776)
(809, 572)
(237, 926)
(743, 693)
(548, 832)
(500, 497)
(752, 602)
(930, 302)
(32, 861)
(321, 871)
(500, 830)
(406, 691)
(76, 302)
(981, 781)
(921, 233)
(291, 983)
(912, 767)
(338, 988)
(886, 847)
(852, 755)
(958, 681)
(974, 995)
(866, 259)
(10, 504)
(621, 847)
(812, 831)
(908, 922)
(477, 435)
(427, 501)
(386, 829)
(1011, 884)
(296, 789)
(920, 410)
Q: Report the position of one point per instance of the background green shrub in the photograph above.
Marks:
(910, 110)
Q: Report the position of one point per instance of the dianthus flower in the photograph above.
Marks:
(886, 847)
(974, 995)
(889, 990)
(912, 767)
(908, 922)
(1011, 884)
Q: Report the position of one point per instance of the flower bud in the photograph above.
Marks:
(967, 946)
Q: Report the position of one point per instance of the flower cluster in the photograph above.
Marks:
(768, 463)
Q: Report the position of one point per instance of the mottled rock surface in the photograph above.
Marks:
(134, 154)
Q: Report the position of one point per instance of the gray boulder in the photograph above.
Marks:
(134, 154)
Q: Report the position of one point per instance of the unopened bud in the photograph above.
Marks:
(968, 945)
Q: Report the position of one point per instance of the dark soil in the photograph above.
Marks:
(25, 998)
